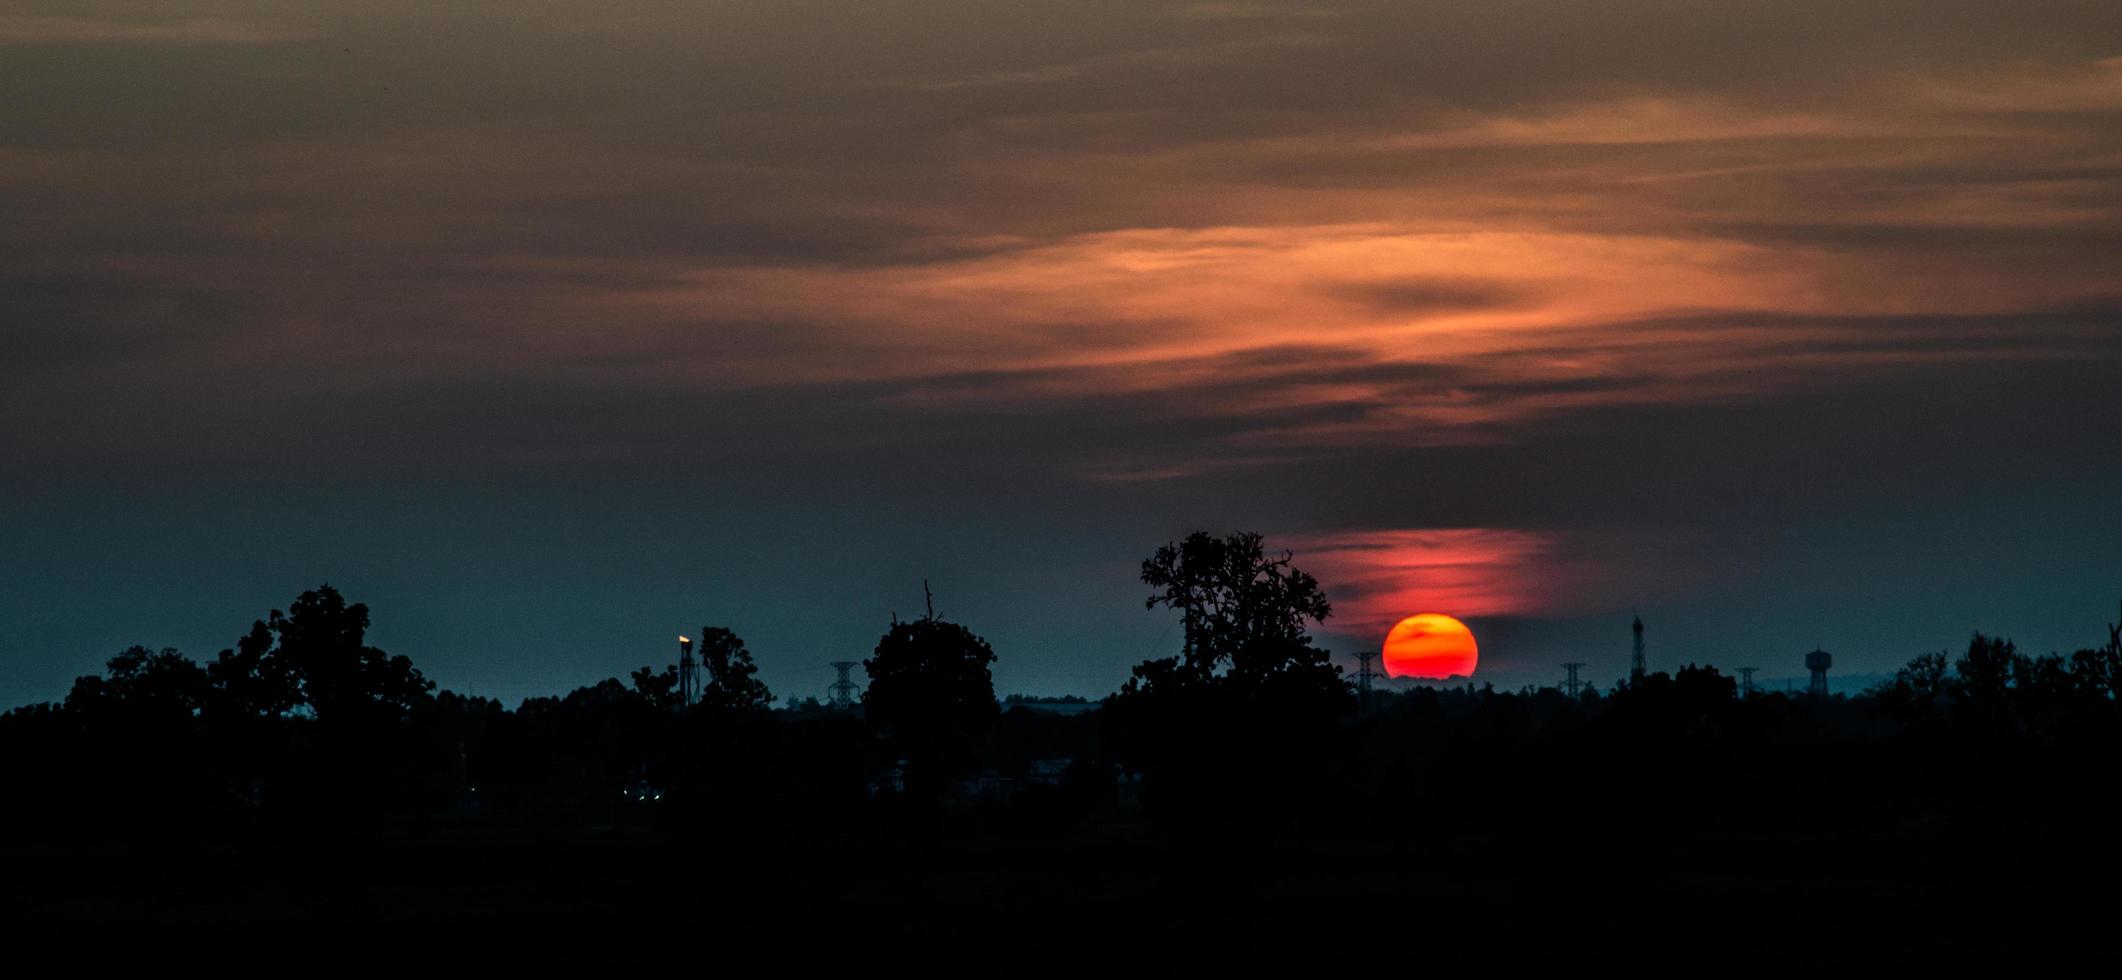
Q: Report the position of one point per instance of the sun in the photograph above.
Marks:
(1430, 645)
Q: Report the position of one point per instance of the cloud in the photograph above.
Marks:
(2028, 86)
(61, 322)
(1377, 576)
(30, 30)
(1167, 59)
(1231, 10)
(1128, 245)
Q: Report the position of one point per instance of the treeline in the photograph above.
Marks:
(1985, 768)
(303, 730)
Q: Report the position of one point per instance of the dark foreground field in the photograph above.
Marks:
(1259, 812)
(605, 901)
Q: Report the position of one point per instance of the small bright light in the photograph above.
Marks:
(685, 639)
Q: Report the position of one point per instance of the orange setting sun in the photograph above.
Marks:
(1430, 645)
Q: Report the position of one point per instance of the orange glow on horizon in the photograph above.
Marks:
(1431, 645)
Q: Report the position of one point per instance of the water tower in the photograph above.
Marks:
(1818, 661)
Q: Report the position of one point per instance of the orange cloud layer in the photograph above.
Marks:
(1377, 578)
(1400, 226)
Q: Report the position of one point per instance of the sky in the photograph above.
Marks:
(551, 329)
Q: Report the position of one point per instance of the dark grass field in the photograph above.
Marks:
(604, 901)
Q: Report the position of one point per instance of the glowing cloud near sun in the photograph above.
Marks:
(1431, 645)
(1376, 575)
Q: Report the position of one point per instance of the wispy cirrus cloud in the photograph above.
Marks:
(1271, 247)
(1164, 59)
(23, 30)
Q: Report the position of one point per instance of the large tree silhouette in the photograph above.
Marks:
(1236, 736)
(1242, 608)
(932, 697)
(144, 764)
(722, 761)
(356, 750)
(313, 660)
(162, 689)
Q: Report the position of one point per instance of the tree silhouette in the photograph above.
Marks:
(248, 682)
(1984, 680)
(357, 750)
(720, 765)
(334, 673)
(312, 659)
(2097, 672)
(931, 696)
(580, 750)
(659, 690)
(1975, 776)
(1239, 737)
(1925, 677)
(732, 684)
(140, 741)
(1241, 608)
(151, 687)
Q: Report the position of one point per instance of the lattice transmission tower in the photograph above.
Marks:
(842, 693)
(1573, 684)
(1364, 675)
